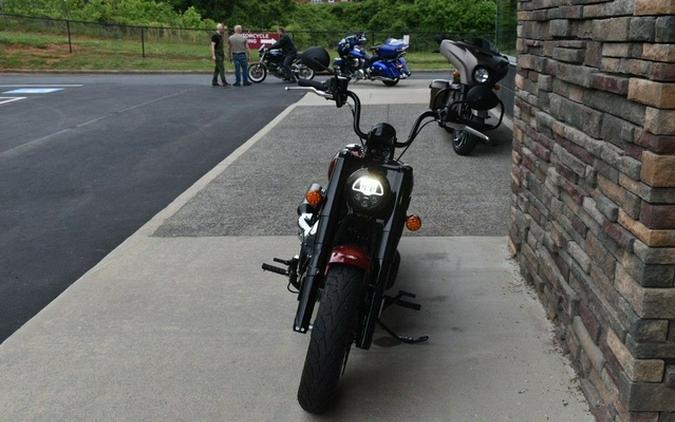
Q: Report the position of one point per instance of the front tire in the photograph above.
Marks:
(257, 73)
(462, 141)
(331, 338)
(391, 82)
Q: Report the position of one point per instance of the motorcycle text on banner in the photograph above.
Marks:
(349, 233)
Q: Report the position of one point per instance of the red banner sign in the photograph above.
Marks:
(258, 39)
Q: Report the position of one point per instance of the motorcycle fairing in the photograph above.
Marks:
(466, 56)
(356, 52)
(461, 58)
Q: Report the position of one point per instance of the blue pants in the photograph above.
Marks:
(240, 67)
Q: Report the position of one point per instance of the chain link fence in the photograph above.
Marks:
(145, 41)
(186, 48)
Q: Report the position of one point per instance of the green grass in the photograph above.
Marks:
(44, 51)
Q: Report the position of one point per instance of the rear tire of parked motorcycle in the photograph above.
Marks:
(257, 73)
(331, 338)
(391, 82)
(305, 73)
(463, 143)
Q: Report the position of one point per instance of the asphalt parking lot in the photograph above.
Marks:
(82, 167)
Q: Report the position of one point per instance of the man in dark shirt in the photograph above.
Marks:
(290, 52)
(218, 55)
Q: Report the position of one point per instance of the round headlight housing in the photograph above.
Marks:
(481, 75)
(367, 192)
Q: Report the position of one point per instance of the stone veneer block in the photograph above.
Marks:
(643, 370)
(656, 94)
(651, 237)
(651, 303)
(654, 7)
(659, 52)
(660, 122)
(658, 170)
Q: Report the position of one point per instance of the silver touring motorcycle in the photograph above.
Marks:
(349, 233)
(472, 89)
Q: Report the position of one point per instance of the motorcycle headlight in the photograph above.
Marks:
(481, 75)
(367, 192)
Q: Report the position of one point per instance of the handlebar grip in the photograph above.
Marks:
(321, 86)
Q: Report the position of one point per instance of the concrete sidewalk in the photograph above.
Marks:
(179, 323)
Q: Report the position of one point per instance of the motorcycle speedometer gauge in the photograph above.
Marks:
(368, 191)
(481, 75)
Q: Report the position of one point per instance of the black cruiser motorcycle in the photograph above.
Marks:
(349, 232)
(271, 61)
(478, 69)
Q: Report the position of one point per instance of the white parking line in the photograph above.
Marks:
(5, 100)
(33, 90)
(41, 85)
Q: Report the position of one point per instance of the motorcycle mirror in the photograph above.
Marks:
(316, 58)
(440, 37)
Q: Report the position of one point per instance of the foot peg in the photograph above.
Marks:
(273, 269)
(409, 305)
(291, 270)
(397, 300)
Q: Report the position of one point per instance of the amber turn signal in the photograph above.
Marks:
(455, 76)
(314, 198)
(413, 223)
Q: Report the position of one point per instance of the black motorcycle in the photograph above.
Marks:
(349, 232)
(271, 60)
(478, 69)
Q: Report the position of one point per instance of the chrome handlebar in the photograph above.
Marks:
(323, 94)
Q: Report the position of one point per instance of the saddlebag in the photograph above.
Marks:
(439, 93)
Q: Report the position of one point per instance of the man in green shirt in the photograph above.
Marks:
(218, 55)
(239, 53)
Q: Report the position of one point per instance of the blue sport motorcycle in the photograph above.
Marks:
(386, 63)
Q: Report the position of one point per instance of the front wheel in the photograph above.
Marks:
(257, 72)
(462, 141)
(390, 82)
(331, 338)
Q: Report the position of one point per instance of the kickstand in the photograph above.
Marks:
(398, 300)
(403, 339)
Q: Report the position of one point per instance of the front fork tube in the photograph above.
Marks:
(391, 235)
(317, 262)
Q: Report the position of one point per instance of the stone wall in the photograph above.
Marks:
(593, 205)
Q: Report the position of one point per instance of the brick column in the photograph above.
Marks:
(593, 204)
